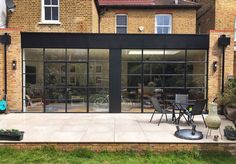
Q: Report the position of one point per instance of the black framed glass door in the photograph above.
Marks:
(66, 80)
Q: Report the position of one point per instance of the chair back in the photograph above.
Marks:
(156, 104)
(182, 99)
(198, 107)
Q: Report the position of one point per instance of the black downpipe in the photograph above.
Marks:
(5, 70)
(223, 71)
(5, 40)
(223, 79)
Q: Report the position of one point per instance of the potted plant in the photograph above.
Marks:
(230, 133)
(228, 100)
(12, 135)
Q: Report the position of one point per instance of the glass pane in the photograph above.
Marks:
(131, 99)
(47, 2)
(55, 74)
(169, 93)
(153, 69)
(132, 55)
(196, 94)
(55, 106)
(153, 81)
(174, 81)
(153, 55)
(77, 100)
(33, 54)
(48, 13)
(54, 13)
(55, 93)
(121, 30)
(196, 68)
(55, 54)
(130, 81)
(77, 55)
(34, 97)
(159, 30)
(195, 81)
(174, 68)
(196, 55)
(165, 30)
(175, 55)
(54, 2)
(99, 67)
(77, 74)
(98, 100)
(160, 20)
(121, 20)
(131, 68)
(166, 20)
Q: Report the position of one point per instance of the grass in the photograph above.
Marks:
(51, 155)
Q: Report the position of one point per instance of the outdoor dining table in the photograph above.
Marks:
(181, 108)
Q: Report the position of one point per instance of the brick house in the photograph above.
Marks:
(217, 17)
(64, 55)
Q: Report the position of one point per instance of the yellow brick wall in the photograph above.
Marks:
(215, 54)
(14, 77)
(75, 16)
(184, 21)
(225, 14)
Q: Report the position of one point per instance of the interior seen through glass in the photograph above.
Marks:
(77, 80)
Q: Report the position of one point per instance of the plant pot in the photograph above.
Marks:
(230, 113)
(229, 134)
(11, 137)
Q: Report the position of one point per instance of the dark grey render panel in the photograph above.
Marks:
(116, 41)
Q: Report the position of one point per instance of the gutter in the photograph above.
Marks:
(151, 7)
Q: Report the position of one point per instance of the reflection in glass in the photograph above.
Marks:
(55, 54)
(33, 80)
(55, 106)
(55, 74)
(77, 74)
(77, 55)
(131, 73)
(196, 55)
(175, 55)
(98, 100)
(98, 80)
(77, 100)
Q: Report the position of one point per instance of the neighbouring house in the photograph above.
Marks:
(218, 17)
(103, 55)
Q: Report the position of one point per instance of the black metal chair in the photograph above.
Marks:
(197, 109)
(159, 109)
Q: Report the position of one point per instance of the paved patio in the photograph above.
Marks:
(108, 128)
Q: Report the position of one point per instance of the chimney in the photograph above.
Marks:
(176, 2)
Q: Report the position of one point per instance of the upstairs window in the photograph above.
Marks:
(50, 10)
(121, 24)
(163, 24)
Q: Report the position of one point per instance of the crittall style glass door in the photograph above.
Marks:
(66, 80)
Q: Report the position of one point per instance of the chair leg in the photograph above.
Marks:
(166, 117)
(152, 115)
(207, 132)
(204, 120)
(160, 119)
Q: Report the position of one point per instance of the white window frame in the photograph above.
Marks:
(43, 21)
(170, 26)
(116, 26)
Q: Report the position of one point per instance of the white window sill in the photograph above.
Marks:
(49, 23)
